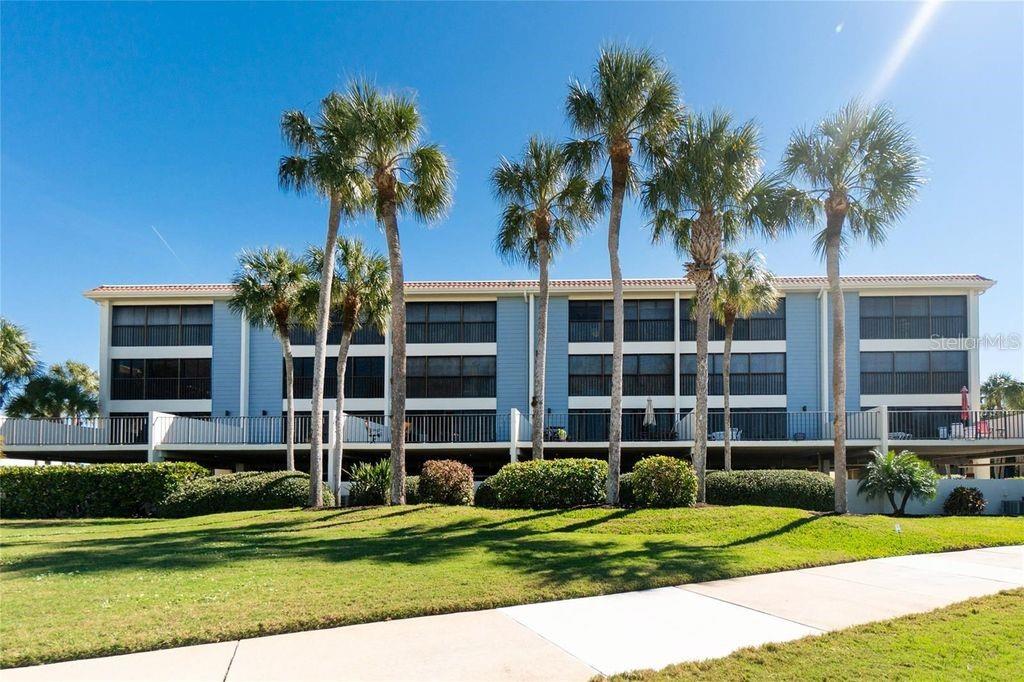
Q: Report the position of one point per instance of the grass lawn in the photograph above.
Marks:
(976, 639)
(72, 589)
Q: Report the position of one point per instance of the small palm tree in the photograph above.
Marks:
(267, 286)
(859, 169)
(362, 296)
(18, 358)
(547, 205)
(745, 287)
(401, 175)
(627, 112)
(322, 162)
(708, 194)
(1002, 392)
(891, 474)
(67, 391)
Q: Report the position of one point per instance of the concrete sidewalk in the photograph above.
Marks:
(578, 638)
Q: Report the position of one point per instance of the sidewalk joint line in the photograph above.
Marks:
(551, 642)
(750, 608)
(234, 652)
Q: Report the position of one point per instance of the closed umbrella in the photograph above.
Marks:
(649, 421)
(965, 405)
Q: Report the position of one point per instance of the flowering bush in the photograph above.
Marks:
(446, 481)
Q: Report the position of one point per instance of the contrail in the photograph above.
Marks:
(161, 238)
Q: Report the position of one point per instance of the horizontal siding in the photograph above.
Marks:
(802, 353)
(556, 376)
(226, 363)
(265, 373)
(513, 359)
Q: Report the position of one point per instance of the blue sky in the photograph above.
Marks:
(140, 142)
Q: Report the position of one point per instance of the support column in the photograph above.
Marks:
(513, 446)
(883, 428)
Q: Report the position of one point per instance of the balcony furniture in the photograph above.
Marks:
(900, 435)
(943, 433)
(736, 434)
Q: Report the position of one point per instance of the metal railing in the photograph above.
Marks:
(303, 336)
(450, 332)
(355, 387)
(632, 384)
(184, 388)
(583, 331)
(59, 432)
(954, 425)
(161, 335)
(916, 327)
(911, 383)
(451, 387)
(755, 329)
(739, 384)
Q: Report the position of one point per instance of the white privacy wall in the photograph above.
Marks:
(995, 491)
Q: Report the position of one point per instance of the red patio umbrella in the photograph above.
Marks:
(965, 405)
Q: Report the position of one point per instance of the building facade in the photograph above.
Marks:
(177, 353)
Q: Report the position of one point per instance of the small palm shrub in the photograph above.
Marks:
(412, 490)
(811, 490)
(550, 483)
(371, 483)
(662, 481)
(445, 481)
(241, 491)
(964, 501)
(903, 475)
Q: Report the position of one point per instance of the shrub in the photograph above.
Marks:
(626, 496)
(412, 490)
(662, 481)
(94, 490)
(446, 481)
(550, 484)
(809, 490)
(964, 501)
(485, 495)
(241, 492)
(904, 474)
(371, 483)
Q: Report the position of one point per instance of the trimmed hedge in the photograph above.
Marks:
(445, 481)
(241, 492)
(485, 495)
(627, 498)
(550, 483)
(809, 490)
(96, 490)
(662, 481)
(964, 501)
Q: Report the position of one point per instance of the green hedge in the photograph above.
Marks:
(662, 481)
(627, 497)
(445, 481)
(809, 490)
(485, 495)
(241, 492)
(550, 483)
(91, 491)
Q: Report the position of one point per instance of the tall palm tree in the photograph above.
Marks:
(67, 391)
(18, 358)
(267, 284)
(745, 287)
(547, 205)
(859, 169)
(362, 297)
(706, 195)
(402, 176)
(627, 112)
(321, 162)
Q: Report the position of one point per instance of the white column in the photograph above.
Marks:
(513, 448)
(243, 383)
(883, 427)
(104, 358)
(974, 351)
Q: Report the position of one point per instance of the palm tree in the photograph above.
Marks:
(267, 285)
(321, 162)
(860, 169)
(362, 296)
(402, 176)
(631, 105)
(18, 359)
(547, 207)
(1002, 392)
(706, 195)
(890, 473)
(745, 287)
(67, 391)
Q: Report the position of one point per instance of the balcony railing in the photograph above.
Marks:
(161, 335)
(67, 432)
(302, 336)
(451, 387)
(450, 332)
(632, 384)
(911, 383)
(755, 329)
(184, 388)
(954, 425)
(918, 327)
(583, 331)
(739, 384)
(356, 387)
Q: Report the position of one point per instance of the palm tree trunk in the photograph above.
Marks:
(339, 414)
(540, 353)
(323, 319)
(726, 361)
(704, 287)
(397, 355)
(835, 295)
(289, 382)
(619, 169)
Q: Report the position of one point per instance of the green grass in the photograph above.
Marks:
(71, 589)
(976, 639)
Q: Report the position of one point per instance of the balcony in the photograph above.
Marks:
(589, 331)
(911, 383)
(632, 384)
(161, 335)
(302, 336)
(916, 327)
(754, 329)
(184, 388)
(355, 387)
(739, 384)
(450, 332)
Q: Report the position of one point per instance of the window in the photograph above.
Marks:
(912, 372)
(450, 376)
(763, 326)
(364, 377)
(643, 320)
(451, 322)
(749, 374)
(161, 325)
(646, 374)
(160, 379)
(591, 426)
(913, 317)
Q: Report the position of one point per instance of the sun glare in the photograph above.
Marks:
(903, 47)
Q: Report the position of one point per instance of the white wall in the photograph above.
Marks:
(995, 491)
